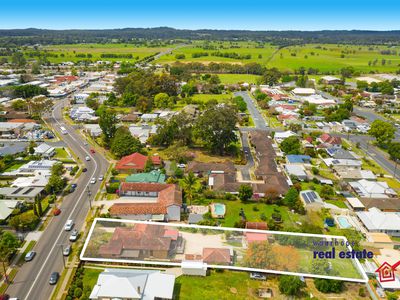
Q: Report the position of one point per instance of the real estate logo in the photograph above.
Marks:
(386, 271)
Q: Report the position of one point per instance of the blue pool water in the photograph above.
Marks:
(219, 209)
(343, 222)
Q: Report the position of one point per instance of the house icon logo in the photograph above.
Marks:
(386, 271)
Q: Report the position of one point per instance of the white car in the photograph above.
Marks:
(68, 226)
(101, 178)
(74, 235)
(87, 158)
(93, 181)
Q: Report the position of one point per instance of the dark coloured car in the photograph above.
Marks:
(74, 185)
(54, 278)
(30, 255)
(84, 170)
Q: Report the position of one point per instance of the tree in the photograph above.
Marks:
(56, 184)
(35, 68)
(382, 131)
(245, 192)
(291, 197)
(271, 76)
(188, 90)
(329, 285)
(128, 99)
(394, 151)
(29, 91)
(326, 191)
(216, 127)
(31, 148)
(189, 183)
(290, 285)
(8, 245)
(108, 124)
(18, 59)
(124, 143)
(259, 256)
(149, 165)
(144, 104)
(291, 145)
(19, 105)
(161, 100)
(240, 103)
(39, 105)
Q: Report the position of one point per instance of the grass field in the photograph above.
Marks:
(90, 277)
(218, 285)
(69, 52)
(325, 57)
(238, 78)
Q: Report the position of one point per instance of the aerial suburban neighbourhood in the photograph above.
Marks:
(147, 162)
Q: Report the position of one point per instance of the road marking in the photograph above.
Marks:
(69, 217)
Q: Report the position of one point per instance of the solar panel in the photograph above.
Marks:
(17, 191)
(305, 197)
(28, 191)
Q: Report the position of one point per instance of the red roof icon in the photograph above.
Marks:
(386, 271)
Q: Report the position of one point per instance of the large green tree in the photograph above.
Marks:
(291, 145)
(108, 124)
(271, 76)
(124, 143)
(189, 183)
(245, 192)
(329, 286)
(290, 285)
(216, 128)
(8, 245)
(382, 131)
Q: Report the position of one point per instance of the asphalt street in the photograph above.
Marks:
(32, 280)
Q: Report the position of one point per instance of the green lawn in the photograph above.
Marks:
(238, 78)
(337, 203)
(90, 276)
(233, 209)
(15, 166)
(61, 153)
(217, 286)
(207, 97)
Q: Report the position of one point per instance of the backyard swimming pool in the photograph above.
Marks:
(343, 222)
(218, 210)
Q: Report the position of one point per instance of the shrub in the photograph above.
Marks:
(255, 208)
(361, 292)
(112, 188)
(263, 217)
(77, 292)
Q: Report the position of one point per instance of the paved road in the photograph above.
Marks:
(258, 119)
(245, 170)
(32, 279)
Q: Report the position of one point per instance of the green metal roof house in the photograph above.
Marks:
(154, 176)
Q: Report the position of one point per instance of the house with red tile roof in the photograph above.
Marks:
(143, 241)
(217, 256)
(148, 201)
(330, 141)
(254, 237)
(135, 163)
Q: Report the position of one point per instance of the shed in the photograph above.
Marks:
(194, 268)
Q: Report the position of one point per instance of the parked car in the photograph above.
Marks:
(87, 158)
(30, 255)
(182, 166)
(68, 226)
(93, 181)
(101, 178)
(74, 185)
(56, 211)
(54, 278)
(258, 276)
(92, 151)
(67, 250)
(74, 235)
(84, 170)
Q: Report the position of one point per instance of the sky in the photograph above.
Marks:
(203, 14)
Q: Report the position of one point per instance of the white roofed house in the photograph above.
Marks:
(82, 113)
(303, 91)
(29, 194)
(94, 130)
(149, 117)
(374, 220)
(296, 171)
(133, 284)
(280, 136)
(143, 132)
(44, 150)
(372, 189)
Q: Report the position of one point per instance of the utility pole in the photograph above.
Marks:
(62, 254)
(395, 168)
(89, 193)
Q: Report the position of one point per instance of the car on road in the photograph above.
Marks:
(54, 278)
(101, 178)
(56, 211)
(84, 170)
(246, 151)
(67, 250)
(92, 151)
(258, 276)
(93, 181)
(68, 226)
(74, 235)
(30, 255)
(87, 158)
(74, 185)
(182, 166)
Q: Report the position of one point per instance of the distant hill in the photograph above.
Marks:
(31, 36)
